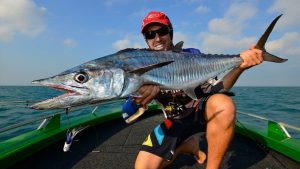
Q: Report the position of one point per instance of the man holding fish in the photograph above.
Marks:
(184, 116)
(183, 81)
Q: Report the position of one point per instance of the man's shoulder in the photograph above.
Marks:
(191, 50)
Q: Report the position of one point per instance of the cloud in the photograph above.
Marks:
(288, 44)
(141, 13)
(122, 44)
(109, 3)
(191, 1)
(20, 17)
(225, 34)
(217, 43)
(186, 38)
(70, 42)
(180, 36)
(202, 9)
(113, 3)
(290, 9)
(129, 41)
(233, 20)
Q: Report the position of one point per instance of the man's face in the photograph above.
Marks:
(159, 42)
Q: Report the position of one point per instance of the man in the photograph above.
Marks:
(186, 117)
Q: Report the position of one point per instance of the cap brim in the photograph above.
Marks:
(153, 22)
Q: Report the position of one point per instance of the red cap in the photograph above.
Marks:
(156, 17)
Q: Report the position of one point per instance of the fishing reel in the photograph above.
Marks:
(174, 110)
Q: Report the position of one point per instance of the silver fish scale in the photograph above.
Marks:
(186, 70)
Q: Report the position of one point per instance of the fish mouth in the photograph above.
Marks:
(58, 102)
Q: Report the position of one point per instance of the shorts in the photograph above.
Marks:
(167, 136)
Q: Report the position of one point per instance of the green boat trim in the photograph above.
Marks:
(53, 129)
(20, 147)
(274, 136)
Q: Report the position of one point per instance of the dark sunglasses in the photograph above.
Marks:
(161, 32)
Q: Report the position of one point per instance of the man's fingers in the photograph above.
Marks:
(256, 56)
(252, 46)
(149, 97)
(144, 92)
(251, 57)
(148, 92)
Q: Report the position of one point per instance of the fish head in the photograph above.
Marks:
(84, 86)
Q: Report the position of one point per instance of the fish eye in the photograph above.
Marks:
(81, 77)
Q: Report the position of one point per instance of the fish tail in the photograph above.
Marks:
(262, 41)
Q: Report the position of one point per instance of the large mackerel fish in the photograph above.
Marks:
(123, 73)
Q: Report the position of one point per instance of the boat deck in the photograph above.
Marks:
(115, 144)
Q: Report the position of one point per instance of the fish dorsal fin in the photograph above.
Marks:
(149, 67)
(178, 47)
(191, 93)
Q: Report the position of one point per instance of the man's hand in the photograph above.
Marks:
(251, 57)
(148, 92)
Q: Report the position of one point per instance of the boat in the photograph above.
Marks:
(105, 141)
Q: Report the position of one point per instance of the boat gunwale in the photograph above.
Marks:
(17, 150)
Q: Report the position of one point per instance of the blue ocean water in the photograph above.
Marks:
(281, 104)
(275, 103)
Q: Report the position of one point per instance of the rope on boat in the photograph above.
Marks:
(45, 117)
(14, 126)
(263, 118)
(18, 101)
(262, 146)
(73, 109)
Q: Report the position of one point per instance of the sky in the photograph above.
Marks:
(41, 38)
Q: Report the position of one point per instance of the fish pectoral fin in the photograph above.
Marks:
(178, 47)
(191, 93)
(145, 69)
